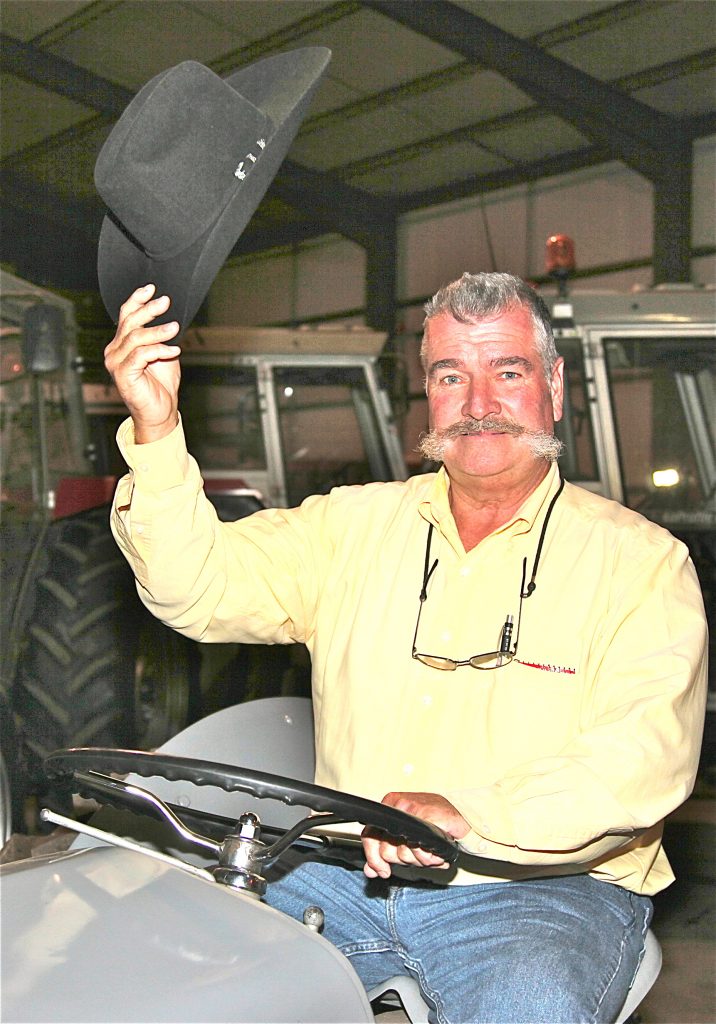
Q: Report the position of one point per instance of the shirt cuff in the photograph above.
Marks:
(489, 818)
(156, 465)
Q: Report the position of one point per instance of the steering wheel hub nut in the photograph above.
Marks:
(240, 856)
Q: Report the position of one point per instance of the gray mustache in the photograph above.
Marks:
(542, 445)
(488, 424)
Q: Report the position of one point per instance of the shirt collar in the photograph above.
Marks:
(435, 507)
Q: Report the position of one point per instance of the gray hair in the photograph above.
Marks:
(475, 297)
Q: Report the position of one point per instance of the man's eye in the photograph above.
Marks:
(451, 378)
(510, 375)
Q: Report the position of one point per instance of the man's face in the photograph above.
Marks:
(490, 369)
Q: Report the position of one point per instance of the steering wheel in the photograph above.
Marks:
(344, 806)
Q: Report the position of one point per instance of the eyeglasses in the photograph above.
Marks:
(489, 660)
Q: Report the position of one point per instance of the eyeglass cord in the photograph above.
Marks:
(531, 586)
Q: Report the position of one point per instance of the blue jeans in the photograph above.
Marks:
(561, 949)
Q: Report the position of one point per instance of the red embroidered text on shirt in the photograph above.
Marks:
(548, 668)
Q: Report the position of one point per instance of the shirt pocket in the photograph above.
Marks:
(538, 702)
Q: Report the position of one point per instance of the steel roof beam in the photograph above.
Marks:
(41, 205)
(465, 69)
(635, 132)
(62, 77)
(278, 236)
(651, 143)
(51, 243)
(519, 174)
(354, 212)
(24, 194)
(693, 127)
(39, 232)
(522, 174)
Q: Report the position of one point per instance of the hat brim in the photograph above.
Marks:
(281, 85)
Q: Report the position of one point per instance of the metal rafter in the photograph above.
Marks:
(584, 25)
(593, 22)
(355, 213)
(357, 220)
(282, 235)
(651, 143)
(317, 21)
(477, 184)
(43, 204)
(634, 131)
(529, 115)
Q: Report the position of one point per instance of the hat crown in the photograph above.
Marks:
(177, 156)
(185, 167)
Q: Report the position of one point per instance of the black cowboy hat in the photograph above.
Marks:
(186, 166)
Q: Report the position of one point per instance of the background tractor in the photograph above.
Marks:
(271, 415)
(82, 661)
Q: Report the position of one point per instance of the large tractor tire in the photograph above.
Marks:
(11, 792)
(94, 667)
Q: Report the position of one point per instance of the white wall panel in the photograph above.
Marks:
(330, 278)
(314, 279)
(253, 291)
(703, 221)
(703, 270)
(437, 245)
(607, 210)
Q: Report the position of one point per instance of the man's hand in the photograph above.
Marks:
(144, 368)
(380, 851)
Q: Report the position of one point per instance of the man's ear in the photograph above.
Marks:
(556, 388)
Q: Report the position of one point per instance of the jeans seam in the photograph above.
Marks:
(644, 929)
(397, 892)
(394, 893)
(622, 948)
(377, 945)
(648, 914)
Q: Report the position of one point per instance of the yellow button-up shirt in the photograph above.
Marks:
(566, 760)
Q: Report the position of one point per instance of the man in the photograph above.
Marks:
(496, 651)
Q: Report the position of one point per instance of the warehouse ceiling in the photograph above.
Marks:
(423, 102)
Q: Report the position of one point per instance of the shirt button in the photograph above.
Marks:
(144, 467)
(465, 571)
(446, 636)
(408, 769)
(427, 700)
(139, 528)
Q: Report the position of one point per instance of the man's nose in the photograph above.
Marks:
(480, 401)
